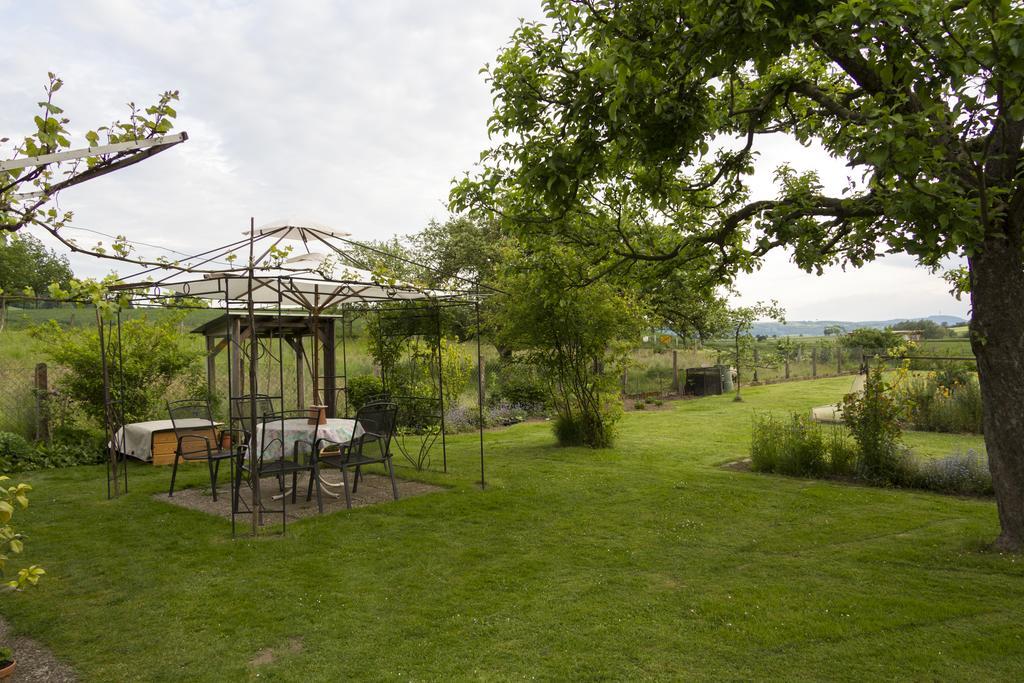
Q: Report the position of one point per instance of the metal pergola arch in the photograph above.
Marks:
(275, 282)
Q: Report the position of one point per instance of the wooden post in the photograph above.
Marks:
(330, 369)
(42, 409)
(757, 359)
(787, 367)
(675, 371)
(300, 372)
(236, 356)
(814, 361)
(211, 366)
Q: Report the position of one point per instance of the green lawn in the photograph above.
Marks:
(644, 562)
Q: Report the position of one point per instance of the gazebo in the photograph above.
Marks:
(296, 298)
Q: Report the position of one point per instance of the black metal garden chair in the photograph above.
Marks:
(241, 415)
(370, 444)
(286, 446)
(190, 418)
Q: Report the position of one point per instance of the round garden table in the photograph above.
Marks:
(286, 433)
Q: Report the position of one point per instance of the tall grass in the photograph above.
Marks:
(798, 446)
(940, 403)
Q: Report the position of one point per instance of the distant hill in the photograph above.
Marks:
(816, 328)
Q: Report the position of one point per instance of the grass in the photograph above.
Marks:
(647, 561)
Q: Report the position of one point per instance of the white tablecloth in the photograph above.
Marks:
(136, 438)
(336, 429)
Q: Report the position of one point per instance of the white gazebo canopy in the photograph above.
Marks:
(306, 291)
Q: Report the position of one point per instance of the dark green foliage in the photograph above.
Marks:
(18, 455)
(361, 389)
(872, 340)
(26, 264)
(14, 449)
(154, 355)
(578, 338)
(800, 447)
(568, 430)
(519, 384)
(929, 329)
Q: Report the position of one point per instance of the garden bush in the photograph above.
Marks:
(798, 446)
(155, 356)
(361, 389)
(503, 414)
(960, 473)
(946, 401)
(518, 384)
(14, 449)
(18, 455)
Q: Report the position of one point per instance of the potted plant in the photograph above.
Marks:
(7, 663)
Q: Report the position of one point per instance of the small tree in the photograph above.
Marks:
(579, 336)
(874, 420)
(738, 323)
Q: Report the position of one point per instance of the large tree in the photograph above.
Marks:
(26, 265)
(665, 103)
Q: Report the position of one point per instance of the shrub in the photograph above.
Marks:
(504, 414)
(518, 384)
(361, 389)
(960, 473)
(873, 418)
(795, 446)
(943, 402)
(568, 430)
(154, 354)
(460, 418)
(800, 447)
(842, 452)
(18, 455)
(14, 449)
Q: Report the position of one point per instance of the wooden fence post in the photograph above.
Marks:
(814, 361)
(42, 409)
(757, 359)
(675, 371)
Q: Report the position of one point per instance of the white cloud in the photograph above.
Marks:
(353, 114)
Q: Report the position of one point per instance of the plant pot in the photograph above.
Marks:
(317, 415)
(7, 670)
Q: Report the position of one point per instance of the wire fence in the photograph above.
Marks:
(663, 371)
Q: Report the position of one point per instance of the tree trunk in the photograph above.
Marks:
(997, 338)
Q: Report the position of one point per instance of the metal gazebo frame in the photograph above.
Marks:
(282, 289)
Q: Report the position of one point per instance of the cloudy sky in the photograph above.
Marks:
(353, 114)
